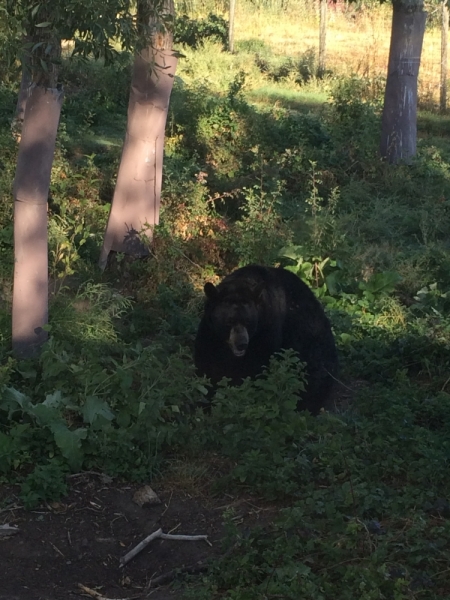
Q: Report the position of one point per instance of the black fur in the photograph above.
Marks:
(261, 310)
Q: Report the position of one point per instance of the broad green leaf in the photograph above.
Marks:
(94, 408)
(69, 442)
(46, 415)
(54, 400)
(292, 252)
(12, 399)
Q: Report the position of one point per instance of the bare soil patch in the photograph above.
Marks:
(81, 540)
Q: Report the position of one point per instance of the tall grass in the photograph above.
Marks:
(358, 37)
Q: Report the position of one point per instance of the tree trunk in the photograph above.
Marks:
(231, 26)
(399, 120)
(322, 37)
(31, 185)
(137, 196)
(444, 61)
(42, 107)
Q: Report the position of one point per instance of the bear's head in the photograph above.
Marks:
(232, 309)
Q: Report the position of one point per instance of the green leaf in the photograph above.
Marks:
(46, 415)
(69, 443)
(54, 400)
(94, 408)
(13, 399)
(292, 252)
(381, 283)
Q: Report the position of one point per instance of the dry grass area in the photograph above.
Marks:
(357, 42)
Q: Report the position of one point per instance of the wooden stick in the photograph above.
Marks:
(153, 536)
(145, 542)
(188, 538)
(97, 595)
(8, 529)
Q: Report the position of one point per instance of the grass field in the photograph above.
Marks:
(357, 40)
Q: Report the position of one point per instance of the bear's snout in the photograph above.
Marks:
(238, 340)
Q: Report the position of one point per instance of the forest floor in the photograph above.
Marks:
(73, 548)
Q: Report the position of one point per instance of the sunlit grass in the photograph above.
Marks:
(357, 42)
(295, 99)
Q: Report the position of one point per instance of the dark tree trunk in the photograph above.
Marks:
(322, 37)
(231, 25)
(42, 108)
(444, 58)
(137, 196)
(399, 121)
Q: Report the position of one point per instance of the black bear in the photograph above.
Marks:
(256, 311)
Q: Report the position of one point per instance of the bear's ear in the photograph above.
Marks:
(210, 290)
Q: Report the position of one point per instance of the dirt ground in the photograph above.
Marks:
(79, 542)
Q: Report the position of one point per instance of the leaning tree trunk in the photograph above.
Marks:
(137, 195)
(399, 120)
(31, 186)
(444, 58)
(322, 37)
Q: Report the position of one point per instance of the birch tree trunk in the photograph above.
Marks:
(399, 120)
(42, 101)
(444, 57)
(137, 195)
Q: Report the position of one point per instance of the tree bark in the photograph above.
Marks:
(444, 58)
(42, 101)
(322, 37)
(399, 120)
(231, 26)
(31, 186)
(137, 195)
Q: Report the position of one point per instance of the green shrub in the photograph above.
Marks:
(194, 32)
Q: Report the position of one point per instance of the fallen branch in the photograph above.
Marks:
(97, 595)
(11, 508)
(153, 536)
(7, 530)
(187, 538)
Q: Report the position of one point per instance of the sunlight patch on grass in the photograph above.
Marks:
(302, 101)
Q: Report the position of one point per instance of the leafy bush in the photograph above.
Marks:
(194, 32)
(112, 412)
(301, 70)
(257, 425)
(366, 489)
